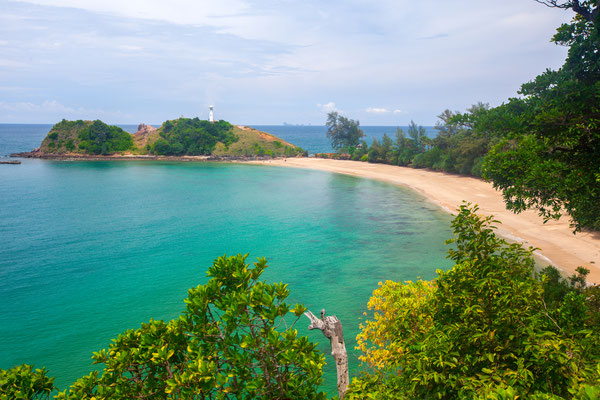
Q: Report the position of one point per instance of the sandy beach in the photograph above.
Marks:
(555, 239)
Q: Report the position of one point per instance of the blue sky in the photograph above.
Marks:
(267, 62)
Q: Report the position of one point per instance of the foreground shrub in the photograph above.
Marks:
(231, 342)
(480, 330)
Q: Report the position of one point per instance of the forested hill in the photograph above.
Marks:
(179, 137)
(86, 137)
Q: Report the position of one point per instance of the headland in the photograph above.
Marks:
(182, 139)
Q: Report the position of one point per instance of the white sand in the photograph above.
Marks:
(555, 239)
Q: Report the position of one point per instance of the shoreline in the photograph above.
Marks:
(136, 157)
(556, 243)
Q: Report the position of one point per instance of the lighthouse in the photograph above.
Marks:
(210, 114)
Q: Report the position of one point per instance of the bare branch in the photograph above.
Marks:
(554, 4)
(332, 329)
(587, 13)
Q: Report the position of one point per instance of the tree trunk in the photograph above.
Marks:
(332, 329)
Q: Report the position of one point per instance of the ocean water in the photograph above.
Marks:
(16, 138)
(90, 249)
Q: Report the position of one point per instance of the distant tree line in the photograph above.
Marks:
(457, 148)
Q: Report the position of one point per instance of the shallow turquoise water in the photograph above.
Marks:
(90, 249)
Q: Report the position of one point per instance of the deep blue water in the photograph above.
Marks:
(90, 249)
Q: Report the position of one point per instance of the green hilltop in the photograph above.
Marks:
(179, 137)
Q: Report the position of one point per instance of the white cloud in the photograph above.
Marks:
(48, 105)
(52, 110)
(175, 11)
(377, 110)
(11, 64)
(329, 107)
(128, 47)
(165, 58)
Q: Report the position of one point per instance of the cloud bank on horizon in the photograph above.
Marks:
(267, 62)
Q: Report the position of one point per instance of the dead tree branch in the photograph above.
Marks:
(332, 329)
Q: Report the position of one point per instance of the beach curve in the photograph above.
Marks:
(555, 239)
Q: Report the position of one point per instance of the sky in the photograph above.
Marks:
(268, 62)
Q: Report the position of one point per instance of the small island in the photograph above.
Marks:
(184, 139)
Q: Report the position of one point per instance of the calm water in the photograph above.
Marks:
(90, 249)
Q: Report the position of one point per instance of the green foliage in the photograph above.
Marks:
(62, 134)
(231, 342)
(70, 146)
(360, 152)
(481, 330)
(22, 382)
(344, 133)
(100, 138)
(461, 143)
(406, 148)
(192, 136)
(459, 147)
(261, 151)
(549, 160)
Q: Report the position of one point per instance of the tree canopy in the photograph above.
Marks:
(192, 136)
(344, 133)
(100, 138)
(549, 160)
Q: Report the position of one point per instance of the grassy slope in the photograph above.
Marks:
(140, 141)
(251, 141)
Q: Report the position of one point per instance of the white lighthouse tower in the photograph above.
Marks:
(210, 114)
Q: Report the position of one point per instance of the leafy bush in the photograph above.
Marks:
(70, 146)
(481, 330)
(23, 382)
(227, 344)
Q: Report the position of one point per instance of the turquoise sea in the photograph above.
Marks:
(90, 249)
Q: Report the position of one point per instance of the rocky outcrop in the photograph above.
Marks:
(143, 134)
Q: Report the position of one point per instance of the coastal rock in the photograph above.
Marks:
(144, 132)
(144, 129)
